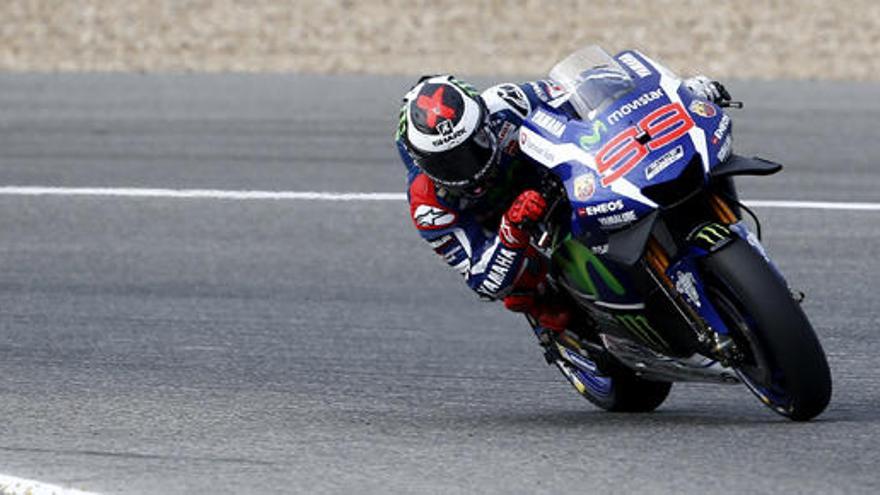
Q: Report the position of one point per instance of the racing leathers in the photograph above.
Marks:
(472, 234)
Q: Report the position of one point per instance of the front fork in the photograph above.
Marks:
(683, 281)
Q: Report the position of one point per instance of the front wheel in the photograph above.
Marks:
(782, 361)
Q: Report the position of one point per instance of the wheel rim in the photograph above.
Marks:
(585, 382)
(756, 370)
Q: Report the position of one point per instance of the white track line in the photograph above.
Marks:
(10, 485)
(132, 192)
(814, 205)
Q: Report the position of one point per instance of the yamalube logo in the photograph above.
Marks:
(664, 162)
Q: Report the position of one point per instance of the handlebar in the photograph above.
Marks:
(730, 104)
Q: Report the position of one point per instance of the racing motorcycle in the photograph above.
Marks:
(648, 243)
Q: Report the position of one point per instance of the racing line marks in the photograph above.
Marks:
(131, 192)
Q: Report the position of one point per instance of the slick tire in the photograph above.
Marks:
(628, 393)
(784, 364)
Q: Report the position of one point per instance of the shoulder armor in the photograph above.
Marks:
(509, 97)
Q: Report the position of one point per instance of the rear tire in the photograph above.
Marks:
(784, 364)
(616, 389)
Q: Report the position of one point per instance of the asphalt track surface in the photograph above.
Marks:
(198, 345)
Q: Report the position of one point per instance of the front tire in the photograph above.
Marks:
(783, 362)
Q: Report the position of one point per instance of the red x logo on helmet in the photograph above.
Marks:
(434, 107)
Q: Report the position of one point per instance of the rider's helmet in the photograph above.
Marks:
(448, 134)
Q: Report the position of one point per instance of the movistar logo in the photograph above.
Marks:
(634, 105)
(588, 141)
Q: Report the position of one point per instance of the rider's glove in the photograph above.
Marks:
(706, 88)
(529, 206)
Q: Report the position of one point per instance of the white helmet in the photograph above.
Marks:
(448, 134)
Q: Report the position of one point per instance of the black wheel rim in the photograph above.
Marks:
(755, 369)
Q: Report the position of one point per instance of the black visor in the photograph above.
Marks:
(464, 164)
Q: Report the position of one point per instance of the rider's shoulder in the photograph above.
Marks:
(508, 97)
(520, 99)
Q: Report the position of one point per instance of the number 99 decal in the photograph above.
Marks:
(624, 152)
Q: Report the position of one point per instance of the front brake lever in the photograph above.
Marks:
(544, 239)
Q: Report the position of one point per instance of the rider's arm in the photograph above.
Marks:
(490, 263)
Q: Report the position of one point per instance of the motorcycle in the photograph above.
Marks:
(647, 242)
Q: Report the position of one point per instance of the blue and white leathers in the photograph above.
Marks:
(463, 231)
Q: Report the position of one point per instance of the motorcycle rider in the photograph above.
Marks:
(472, 192)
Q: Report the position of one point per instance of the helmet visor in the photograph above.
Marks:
(463, 165)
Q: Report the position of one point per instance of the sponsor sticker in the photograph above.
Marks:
(662, 163)
(634, 105)
(618, 219)
(449, 135)
(686, 285)
(512, 147)
(554, 90)
(504, 260)
(549, 123)
(539, 91)
(603, 208)
(723, 126)
(505, 131)
(600, 249)
(724, 152)
(589, 141)
(584, 186)
(534, 146)
(431, 217)
(703, 109)
(444, 127)
(635, 65)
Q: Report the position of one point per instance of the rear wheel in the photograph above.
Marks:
(613, 387)
(782, 360)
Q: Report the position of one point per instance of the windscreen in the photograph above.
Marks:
(593, 79)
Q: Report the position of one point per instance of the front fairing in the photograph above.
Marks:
(606, 154)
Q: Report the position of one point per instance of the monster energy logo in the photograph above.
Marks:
(466, 87)
(638, 325)
(713, 234)
(401, 125)
(576, 260)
